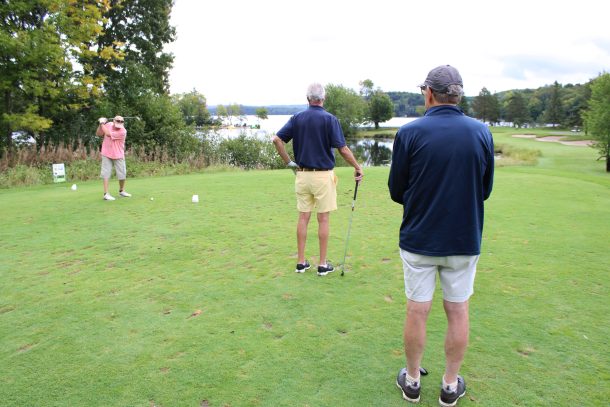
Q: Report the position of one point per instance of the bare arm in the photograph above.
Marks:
(280, 146)
(348, 156)
(100, 131)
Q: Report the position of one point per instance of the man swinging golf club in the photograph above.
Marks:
(314, 133)
(113, 153)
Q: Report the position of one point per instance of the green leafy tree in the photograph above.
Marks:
(161, 130)
(597, 116)
(261, 113)
(233, 111)
(516, 109)
(535, 107)
(222, 113)
(486, 106)
(407, 103)
(554, 112)
(347, 105)
(193, 107)
(574, 100)
(366, 89)
(380, 108)
(138, 30)
(39, 41)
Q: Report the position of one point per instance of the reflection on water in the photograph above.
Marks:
(372, 152)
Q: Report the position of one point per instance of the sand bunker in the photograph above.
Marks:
(556, 139)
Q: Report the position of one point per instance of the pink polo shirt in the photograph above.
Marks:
(113, 145)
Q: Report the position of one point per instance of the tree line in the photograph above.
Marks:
(64, 63)
(578, 107)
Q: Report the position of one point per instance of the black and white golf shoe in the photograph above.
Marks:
(301, 267)
(410, 390)
(450, 398)
(324, 270)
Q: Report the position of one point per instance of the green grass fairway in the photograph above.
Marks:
(163, 302)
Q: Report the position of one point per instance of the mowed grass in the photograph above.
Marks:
(169, 303)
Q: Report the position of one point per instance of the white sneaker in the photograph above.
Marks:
(125, 194)
(108, 197)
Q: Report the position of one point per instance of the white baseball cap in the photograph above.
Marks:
(118, 121)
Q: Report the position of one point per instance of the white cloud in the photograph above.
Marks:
(266, 52)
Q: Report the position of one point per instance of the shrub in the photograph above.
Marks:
(510, 155)
(25, 175)
(249, 153)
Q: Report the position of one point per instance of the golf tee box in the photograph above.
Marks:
(59, 173)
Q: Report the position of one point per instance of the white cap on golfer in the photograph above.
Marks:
(118, 121)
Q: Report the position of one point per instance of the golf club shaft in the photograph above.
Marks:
(349, 228)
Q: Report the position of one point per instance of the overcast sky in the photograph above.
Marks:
(266, 52)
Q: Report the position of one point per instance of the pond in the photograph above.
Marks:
(375, 152)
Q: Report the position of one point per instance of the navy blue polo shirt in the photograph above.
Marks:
(442, 171)
(314, 133)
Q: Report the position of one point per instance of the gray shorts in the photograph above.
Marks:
(119, 168)
(455, 272)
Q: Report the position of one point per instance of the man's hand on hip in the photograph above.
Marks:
(293, 166)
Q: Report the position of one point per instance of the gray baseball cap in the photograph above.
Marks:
(441, 77)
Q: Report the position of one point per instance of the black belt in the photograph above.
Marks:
(314, 169)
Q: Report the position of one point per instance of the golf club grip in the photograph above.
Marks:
(356, 190)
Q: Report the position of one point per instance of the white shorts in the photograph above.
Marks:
(455, 272)
(119, 168)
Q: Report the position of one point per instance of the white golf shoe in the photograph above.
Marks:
(108, 197)
(124, 194)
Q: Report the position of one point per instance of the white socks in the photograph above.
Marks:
(449, 386)
(412, 381)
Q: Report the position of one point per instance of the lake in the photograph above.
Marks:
(374, 151)
(273, 123)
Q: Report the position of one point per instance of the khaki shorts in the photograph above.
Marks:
(316, 189)
(119, 168)
(455, 272)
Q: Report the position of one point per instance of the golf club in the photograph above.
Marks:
(349, 227)
(103, 120)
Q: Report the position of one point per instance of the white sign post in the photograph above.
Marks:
(59, 173)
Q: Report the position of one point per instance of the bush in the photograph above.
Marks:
(25, 175)
(510, 155)
(249, 153)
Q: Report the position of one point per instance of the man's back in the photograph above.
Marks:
(442, 171)
(314, 133)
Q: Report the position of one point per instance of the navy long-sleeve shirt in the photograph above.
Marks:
(442, 171)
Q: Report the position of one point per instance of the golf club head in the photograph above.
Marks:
(423, 371)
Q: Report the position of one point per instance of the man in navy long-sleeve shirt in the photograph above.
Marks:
(442, 171)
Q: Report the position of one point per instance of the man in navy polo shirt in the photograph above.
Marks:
(442, 171)
(314, 133)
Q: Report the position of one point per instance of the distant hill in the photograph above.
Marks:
(274, 109)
